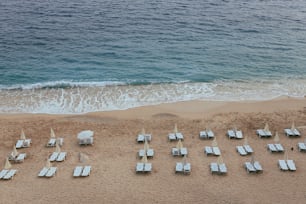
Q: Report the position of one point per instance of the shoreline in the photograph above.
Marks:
(113, 155)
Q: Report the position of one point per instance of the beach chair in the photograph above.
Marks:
(179, 167)
(51, 171)
(150, 152)
(282, 165)
(179, 136)
(60, 141)
(140, 138)
(9, 174)
(86, 171)
(291, 165)
(203, 135)
(241, 150)
(77, 171)
(61, 156)
(3, 173)
(279, 147)
(249, 167)
(147, 167)
(216, 151)
(141, 153)
(257, 166)
(301, 146)
(53, 156)
(271, 148)
(248, 149)
(171, 137)
(292, 132)
(183, 151)
(208, 150)
(139, 167)
(239, 134)
(43, 172)
(214, 168)
(175, 151)
(19, 144)
(20, 157)
(51, 142)
(187, 168)
(222, 168)
(26, 143)
(231, 134)
(210, 134)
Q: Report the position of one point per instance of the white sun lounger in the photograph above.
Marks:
(51, 142)
(150, 152)
(3, 173)
(139, 167)
(290, 132)
(241, 150)
(210, 134)
(179, 167)
(10, 174)
(279, 147)
(53, 156)
(301, 146)
(257, 166)
(239, 134)
(231, 134)
(222, 168)
(21, 157)
(77, 171)
(206, 134)
(249, 167)
(61, 156)
(214, 168)
(147, 167)
(179, 136)
(216, 151)
(183, 151)
(51, 172)
(171, 137)
(282, 165)
(43, 172)
(248, 149)
(19, 144)
(208, 150)
(141, 152)
(203, 135)
(175, 151)
(86, 171)
(187, 168)
(291, 165)
(272, 148)
(263, 133)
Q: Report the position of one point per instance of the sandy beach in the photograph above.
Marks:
(114, 155)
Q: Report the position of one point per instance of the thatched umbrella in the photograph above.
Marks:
(22, 135)
(276, 137)
(52, 134)
(7, 164)
(214, 142)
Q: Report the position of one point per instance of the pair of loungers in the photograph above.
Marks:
(263, 133)
(179, 151)
(212, 151)
(206, 134)
(216, 168)
(148, 153)
(18, 158)
(23, 143)
(286, 165)
(182, 167)
(143, 167)
(253, 167)
(302, 146)
(52, 142)
(244, 150)
(57, 156)
(237, 134)
(275, 148)
(144, 137)
(175, 136)
(47, 172)
(81, 171)
(292, 132)
(7, 174)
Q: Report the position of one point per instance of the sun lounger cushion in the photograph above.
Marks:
(272, 148)
(3, 173)
(282, 165)
(86, 171)
(172, 136)
(179, 167)
(53, 156)
(222, 168)
(279, 147)
(214, 168)
(43, 172)
(208, 150)
(291, 165)
(10, 174)
(147, 167)
(241, 150)
(139, 167)
(51, 172)
(77, 171)
(61, 156)
(257, 166)
(150, 152)
(249, 167)
(248, 149)
(216, 151)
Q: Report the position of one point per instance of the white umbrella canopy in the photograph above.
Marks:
(7, 164)
(52, 134)
(22, 135)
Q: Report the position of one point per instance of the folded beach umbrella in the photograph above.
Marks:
(293, 126)
(146, 145)
(48, 164)
(175, 128)
(143, 132)
(266, 127)
(52, 134)
(22, 135)
(276, 137)
(7, 164)
(184, 159)
(246, 142)
(14, 152)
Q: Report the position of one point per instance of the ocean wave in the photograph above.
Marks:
(72, 98)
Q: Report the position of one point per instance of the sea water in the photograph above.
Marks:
(97, 55)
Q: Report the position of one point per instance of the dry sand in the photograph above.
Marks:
(113, 155)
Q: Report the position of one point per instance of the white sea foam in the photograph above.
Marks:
(91, 97)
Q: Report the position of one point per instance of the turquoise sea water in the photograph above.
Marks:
(90, 55)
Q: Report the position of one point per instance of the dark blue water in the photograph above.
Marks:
(94, 43)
